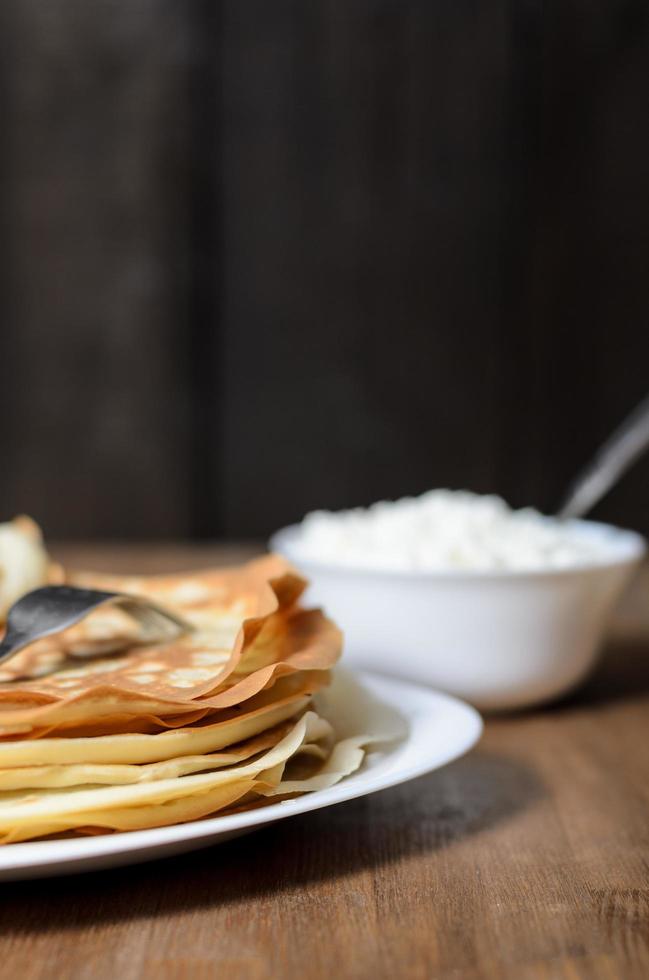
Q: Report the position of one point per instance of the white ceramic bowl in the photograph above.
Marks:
(500, 639)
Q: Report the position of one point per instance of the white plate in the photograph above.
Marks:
(432, 729)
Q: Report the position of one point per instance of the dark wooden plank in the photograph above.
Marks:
(96, 160)
(424, 228)
(435, 232)
(363, 185)
(577, 244)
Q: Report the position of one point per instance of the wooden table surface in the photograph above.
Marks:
(528, 858)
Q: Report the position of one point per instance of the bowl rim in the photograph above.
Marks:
(630, 548)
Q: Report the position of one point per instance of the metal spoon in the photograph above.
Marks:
(612, 460)
(53, 608)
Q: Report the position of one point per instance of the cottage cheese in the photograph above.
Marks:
(443, 530)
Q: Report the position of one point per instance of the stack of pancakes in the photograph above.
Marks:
(106, 728)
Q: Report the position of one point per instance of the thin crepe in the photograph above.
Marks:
(26, 814)
(57, 776)
(140, 748)
(105, 728)
(229, 611)
(101, 712)
(192, 676)
(105, 774)
(176, 800)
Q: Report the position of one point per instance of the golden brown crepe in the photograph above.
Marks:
(231, 728)
(248, 633)
(158, 802)
(106, 728)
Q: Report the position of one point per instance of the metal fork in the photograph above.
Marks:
(53, 608)
(620, 451)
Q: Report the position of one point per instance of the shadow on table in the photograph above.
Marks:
(431, 813)
(621, 675)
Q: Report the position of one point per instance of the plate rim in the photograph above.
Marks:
(78, 851)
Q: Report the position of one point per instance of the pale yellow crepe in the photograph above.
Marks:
(346, 757)
(137, 748)
(107, 774)
(96, 774)
(25, 813)
(40, 813)
(135, 818)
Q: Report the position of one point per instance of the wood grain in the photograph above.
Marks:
(529, 858)
(97, 192)
(259, 257)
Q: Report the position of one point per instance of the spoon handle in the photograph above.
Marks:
(612, 460)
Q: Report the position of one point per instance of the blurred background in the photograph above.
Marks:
(262, 257)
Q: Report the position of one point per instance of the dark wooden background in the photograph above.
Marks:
(259, 257)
